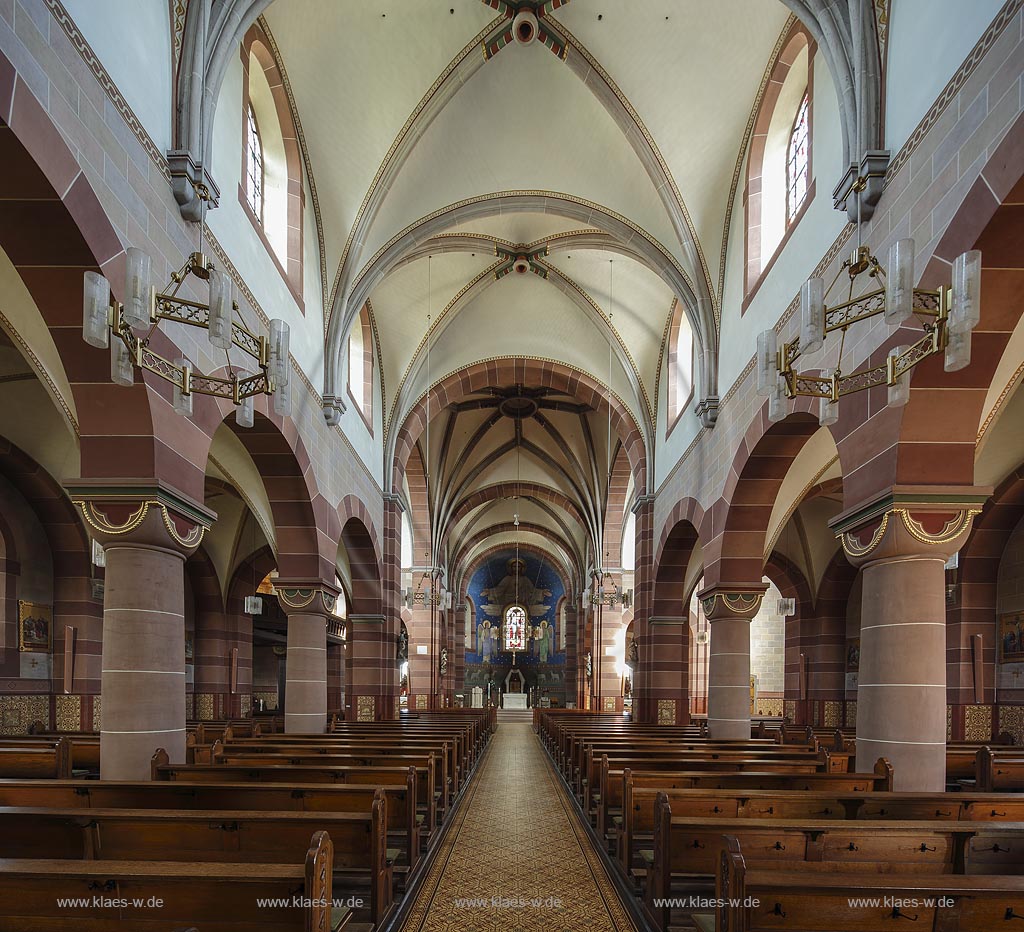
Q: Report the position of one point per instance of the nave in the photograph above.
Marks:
(517, 856)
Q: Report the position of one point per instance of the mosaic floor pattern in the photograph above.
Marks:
(517, 859)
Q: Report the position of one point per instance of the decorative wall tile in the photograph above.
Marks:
(833, 713)
(789, 710)
(609, 703)
(851, 713)
(666, 711)
(17, 713)
(96, 713)
(366, 709)
(269, 698)
(245, 705)
(978, 723)
(815, 713)
(69, 713)
(949, 723)
(204, 707)
(421, 701)
(770, 706)
(1011, 719)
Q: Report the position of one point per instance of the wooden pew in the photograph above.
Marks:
(41, 758)
(687, 848)
(343, 797)
(426, 801)
(85, 745)
(211, 897)
(359, 840)
(999, 770)
(807, 901)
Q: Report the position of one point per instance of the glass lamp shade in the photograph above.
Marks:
(899, 390)
(899, 282)
(220, 309)
(283, 399)
(244, 413)
(138, 281)
(965, 310)
(280, 347)
(122, 369)
(812, 316)
(767, 361)
(778, 403)
(96, 311)
(958, 350)
(183, 396)
(828, 410)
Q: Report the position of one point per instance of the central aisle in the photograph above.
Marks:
(517, 857)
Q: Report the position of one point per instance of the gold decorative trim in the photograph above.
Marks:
(98, 520)
(193, 539)
(953, 528)
(852, 547)
(666, 711)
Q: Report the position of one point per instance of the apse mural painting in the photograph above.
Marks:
(516, 602)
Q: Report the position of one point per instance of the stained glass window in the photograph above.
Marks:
(797, 161)
(254, 167)
(515, 629)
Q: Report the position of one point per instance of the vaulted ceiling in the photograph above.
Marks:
(613, 142)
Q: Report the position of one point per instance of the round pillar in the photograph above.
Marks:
(730, 611)
(146, 538)
(308, 606)
(902, 549)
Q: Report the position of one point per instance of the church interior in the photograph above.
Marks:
(459, 472)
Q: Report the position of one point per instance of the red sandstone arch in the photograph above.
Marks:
(734, 548)
(532, 372)
(912, 445)
(481, 558)
(525, 489)
(509, 527)
(351, 506)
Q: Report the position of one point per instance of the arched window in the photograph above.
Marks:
(797, 163)
(272, 190)
(360, 366)
(515, 628)
(254, 167)
(680, 365)
(780, 180)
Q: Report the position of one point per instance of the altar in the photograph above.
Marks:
(514, 701)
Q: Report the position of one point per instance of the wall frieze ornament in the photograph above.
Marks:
(725, 603)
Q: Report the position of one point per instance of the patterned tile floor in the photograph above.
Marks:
(517, 858)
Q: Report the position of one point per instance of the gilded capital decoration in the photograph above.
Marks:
(144, 513)
(720, 602)
(909, 522)
(306, 596)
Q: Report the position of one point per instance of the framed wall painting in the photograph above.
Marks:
(1011, 638)
(35, 626)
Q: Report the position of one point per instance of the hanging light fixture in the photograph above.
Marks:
(947, 317)
(110, 324)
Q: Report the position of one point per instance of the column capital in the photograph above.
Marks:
(141, 511)
(393, 498)
(306, 596)
(909, 520)
(735, 601)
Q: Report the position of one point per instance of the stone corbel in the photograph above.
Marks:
(191, 184)
(334, 408)
(862, 184)
(707, 411)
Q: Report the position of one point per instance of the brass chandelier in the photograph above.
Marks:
(127, 329)
(947, 317)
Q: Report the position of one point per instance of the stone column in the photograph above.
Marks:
(645, 700)
(423, 633)
(457, 659)
(308, 604)
(730, 610)
(335, 677)
(572, 659)
(902, 542)
(147, 530)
